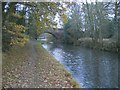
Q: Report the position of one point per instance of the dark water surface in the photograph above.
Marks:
(91, 68)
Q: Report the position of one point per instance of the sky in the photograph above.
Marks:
(57, 17)
(62, 0)
(90, 0)
(81, 0)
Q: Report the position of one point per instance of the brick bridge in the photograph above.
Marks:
(57, 34)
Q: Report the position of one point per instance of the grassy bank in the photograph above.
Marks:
(34, 67)
(107, 44)
(56, 66)
(0, 69)
(12, 61)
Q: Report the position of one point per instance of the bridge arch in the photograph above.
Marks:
(51, 32)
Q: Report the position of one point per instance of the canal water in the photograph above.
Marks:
(91, 68)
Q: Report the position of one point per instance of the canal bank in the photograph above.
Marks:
(33, 67)
(91, 68)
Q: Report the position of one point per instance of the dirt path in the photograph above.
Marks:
(29, 71)
(40, 70)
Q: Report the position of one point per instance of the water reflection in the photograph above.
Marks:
(91, 68)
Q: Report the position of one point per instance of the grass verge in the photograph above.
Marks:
(60, 69)
(11, 63)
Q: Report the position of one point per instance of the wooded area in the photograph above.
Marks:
(81, 38)
(22, 21)
(93, 24)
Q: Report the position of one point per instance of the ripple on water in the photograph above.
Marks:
(91, 68)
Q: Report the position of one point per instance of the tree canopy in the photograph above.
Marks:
(96, 20)
(24, 20)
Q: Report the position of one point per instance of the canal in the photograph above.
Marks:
(91, 68)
